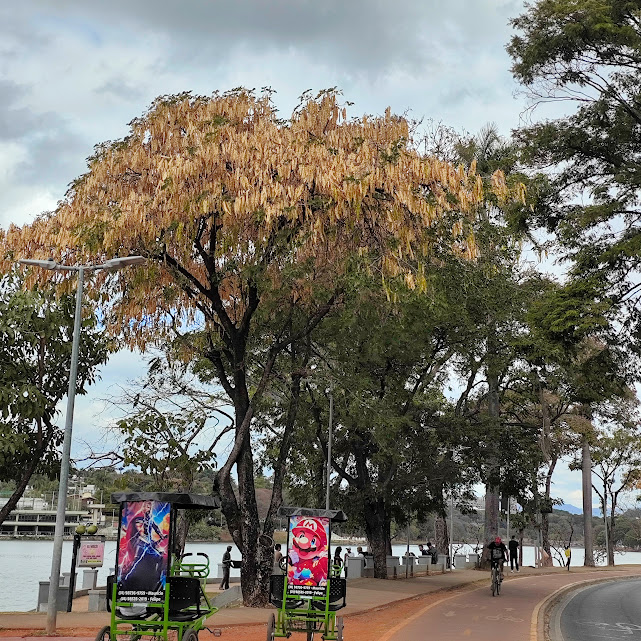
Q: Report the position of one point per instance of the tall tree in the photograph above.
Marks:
(247, 219)
(588, 55)
(386, 362)
(616, 462)
(35, 359)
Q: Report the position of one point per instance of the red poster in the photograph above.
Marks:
(308, 555)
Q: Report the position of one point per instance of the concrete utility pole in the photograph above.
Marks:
(329, 445)
(605, 521)
(588, 537)
(507, 538)
(451, 531)
(58, 537)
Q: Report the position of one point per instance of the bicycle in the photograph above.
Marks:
(496, 579)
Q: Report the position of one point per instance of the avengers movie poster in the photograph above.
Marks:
(308, 555)
(143, 551)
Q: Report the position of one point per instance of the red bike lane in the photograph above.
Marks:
(477, 615)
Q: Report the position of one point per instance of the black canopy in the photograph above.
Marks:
(335, 515)
(182, 501)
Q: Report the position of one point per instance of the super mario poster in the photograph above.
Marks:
(143, 551)
(308, 555)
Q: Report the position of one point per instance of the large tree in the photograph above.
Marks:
(385, 362)
(35, 359)
(247, 220)
(587, 55)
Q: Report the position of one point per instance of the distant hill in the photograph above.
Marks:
(573, 509)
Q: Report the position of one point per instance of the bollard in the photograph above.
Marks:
(89, 579)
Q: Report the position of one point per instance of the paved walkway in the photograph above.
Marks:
(363, 595)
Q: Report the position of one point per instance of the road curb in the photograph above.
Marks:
(545, 623)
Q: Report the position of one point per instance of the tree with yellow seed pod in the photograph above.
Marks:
(250, 223)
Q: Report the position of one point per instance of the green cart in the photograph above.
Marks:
(155, 593)
(310, 591)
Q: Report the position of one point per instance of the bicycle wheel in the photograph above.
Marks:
(271, 628)
(493, 586)
(310, 631)
(498, 584)
(104, 634)
(190, 635)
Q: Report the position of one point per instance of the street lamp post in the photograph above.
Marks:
(329, 445)
(58, 537)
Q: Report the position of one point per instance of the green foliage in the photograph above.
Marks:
(35, 354)
(588, 52)
(170, 427)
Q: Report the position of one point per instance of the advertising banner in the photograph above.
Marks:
(143, 551)
(308, 555)
(91, 553)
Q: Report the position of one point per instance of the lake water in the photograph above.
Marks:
(24, 563)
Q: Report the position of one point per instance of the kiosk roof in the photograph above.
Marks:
(182, 500)
(334, 515)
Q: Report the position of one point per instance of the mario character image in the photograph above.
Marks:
(308, 552)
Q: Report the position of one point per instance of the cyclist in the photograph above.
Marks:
(498, 554)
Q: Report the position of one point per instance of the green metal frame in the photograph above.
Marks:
(304, 619)
(158, 625)
(195, 570)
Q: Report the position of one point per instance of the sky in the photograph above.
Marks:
(73, 74)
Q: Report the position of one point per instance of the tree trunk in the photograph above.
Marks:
(441, 535)
(492, 493)
(588, 538)
(548, 561)
(22, 485)
(491, 520)
(521, 547)
(610, 526)
(254, 583)
(377, 530)
(182, 528)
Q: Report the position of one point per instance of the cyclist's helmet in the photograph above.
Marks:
(497, 540)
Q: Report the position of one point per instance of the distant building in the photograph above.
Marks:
(37, 522)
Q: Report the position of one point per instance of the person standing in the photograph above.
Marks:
(224, 584)
(513, 546)
(568, 557)
(348, 552)
(337, 563)
(278, 555)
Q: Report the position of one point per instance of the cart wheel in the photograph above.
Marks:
(190, 635)
(104, 634)
(339, 628)
(271, 628)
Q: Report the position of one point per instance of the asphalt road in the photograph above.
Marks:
(477, 616)
(604, 611)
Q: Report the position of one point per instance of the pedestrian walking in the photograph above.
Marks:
(568, 557)
(513, 546)
(224, 584)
